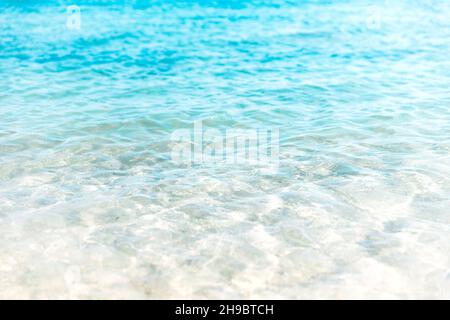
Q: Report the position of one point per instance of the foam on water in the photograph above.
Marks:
(91, 205)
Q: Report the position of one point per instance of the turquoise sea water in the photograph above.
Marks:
(92, 205)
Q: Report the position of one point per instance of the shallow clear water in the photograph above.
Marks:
(91, 205)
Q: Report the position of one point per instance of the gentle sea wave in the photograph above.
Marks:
(92, 205)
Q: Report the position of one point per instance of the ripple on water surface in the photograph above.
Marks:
(91, 205)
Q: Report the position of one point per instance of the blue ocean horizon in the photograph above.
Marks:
(350, 198)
